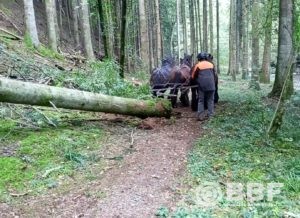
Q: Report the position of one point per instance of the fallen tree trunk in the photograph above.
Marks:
(17, 92)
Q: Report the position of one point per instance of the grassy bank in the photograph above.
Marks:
(235, 149)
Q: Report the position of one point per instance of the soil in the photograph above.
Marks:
(145, 171)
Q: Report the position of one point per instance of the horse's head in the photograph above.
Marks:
(187, 60)
(168, 61)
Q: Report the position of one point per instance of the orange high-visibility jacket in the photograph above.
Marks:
(201, 65)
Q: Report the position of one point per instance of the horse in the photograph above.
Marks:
(160, 77)
(180, 77)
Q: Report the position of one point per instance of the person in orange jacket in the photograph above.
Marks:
(203, 73)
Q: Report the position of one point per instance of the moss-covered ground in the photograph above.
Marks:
(35, 159)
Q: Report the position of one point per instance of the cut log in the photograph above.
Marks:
(17, 92)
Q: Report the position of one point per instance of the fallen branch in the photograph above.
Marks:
(11, 34)
(18, 195)
(44, 115)
(132, 138)
(54, 106)
(46, 174)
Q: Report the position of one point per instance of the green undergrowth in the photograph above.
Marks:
(234, 149)
(104, 77)
(94, 76)
(42, 50)
(97, 76)
(36, 159)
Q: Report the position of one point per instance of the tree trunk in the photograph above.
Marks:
(197, 21)
(285, 46)
(68, 14)
(178, 29)
(200, 28)
(58, 30)
(117, 21)
(245, 60)
(218, 36)
(158, 32)
(31, 29)
(13, 91)
(255, 45)
(75, 22)
(144, 34)
(103, 29)
(110, 29)
(238, 34)
(87, 30)
(211, 27)
(192, 27)
(232, 41)
(205, 28)
(50, 7)
(123, 38)
(184, 27)
(265, 72)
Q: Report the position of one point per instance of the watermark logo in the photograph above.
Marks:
(209, 194)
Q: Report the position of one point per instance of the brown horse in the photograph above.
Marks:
(160, 77)
(179, 78)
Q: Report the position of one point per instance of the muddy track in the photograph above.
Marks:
(148, 177)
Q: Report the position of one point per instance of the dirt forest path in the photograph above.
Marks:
(145, 180)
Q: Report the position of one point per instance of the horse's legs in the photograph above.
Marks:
(194, 99)
(184, 98)
(173, 97)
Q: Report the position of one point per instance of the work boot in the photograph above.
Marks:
(202, 117)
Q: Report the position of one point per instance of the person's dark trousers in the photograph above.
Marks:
(207, 96)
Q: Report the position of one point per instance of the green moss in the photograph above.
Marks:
(151, 103)
(28, 42)
(13, 173)
(66, 148)
(6, 126)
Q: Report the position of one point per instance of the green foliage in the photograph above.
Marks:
(99, 77)
(234, 148)
(13, 172)
(41, 158)
(162, 212)
(49, 53)
(297, 24)
(42, 50)
(28, 42)
(102, 77)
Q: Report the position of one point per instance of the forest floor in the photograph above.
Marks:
(143, 172)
